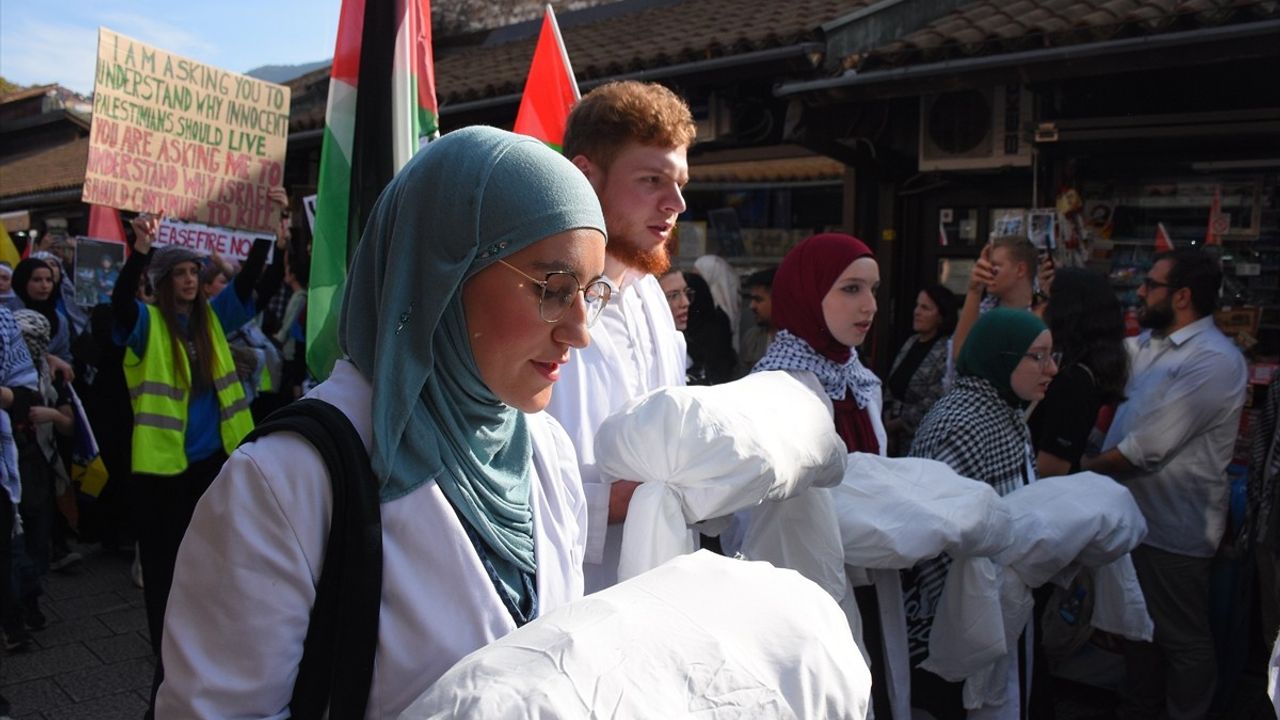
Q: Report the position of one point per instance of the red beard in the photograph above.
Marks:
(655, 261)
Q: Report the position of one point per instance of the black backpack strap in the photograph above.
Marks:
(336, 670)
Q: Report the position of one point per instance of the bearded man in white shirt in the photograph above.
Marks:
(1170, 444)
(631, 140)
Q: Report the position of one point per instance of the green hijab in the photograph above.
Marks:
(996, 345)
(463, 202)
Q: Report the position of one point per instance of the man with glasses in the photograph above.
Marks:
(1170, 444)
(630, 139)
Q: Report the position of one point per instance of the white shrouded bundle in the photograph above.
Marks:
(702, 636)
(896, 512)
(707, 452)
(1062, 524)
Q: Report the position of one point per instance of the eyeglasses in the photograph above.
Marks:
(559, 289)
(1150, 284)
(1044, 358)
(688, 292)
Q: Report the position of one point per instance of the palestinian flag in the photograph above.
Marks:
(381, 109)
(551, 91)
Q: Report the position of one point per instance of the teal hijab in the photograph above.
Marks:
(996, 345)
(463, 202)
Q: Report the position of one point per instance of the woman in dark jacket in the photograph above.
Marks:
(1087, 324)
(916, 380)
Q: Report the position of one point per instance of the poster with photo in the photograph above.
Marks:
(1041, 229)
(97, 267)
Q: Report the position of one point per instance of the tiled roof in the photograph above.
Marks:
(26, 93)
(56, 168)
(647, 38)
(990, 27)
(652, 36)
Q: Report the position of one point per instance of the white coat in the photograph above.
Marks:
(248, 567)
(599, 380)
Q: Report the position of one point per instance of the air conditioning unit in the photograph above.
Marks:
(976, 129)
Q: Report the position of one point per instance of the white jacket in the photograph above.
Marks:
(597, 382)
(248, 567)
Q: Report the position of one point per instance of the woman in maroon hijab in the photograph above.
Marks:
(824, 300)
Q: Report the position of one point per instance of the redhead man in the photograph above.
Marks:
(631, 140)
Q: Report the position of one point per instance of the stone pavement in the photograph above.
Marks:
(93, 660)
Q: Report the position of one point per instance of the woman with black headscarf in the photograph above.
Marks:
(710, 340)
(34, 283)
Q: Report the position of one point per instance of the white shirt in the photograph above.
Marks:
(1178, 428)
(248, 568)
(634, 348)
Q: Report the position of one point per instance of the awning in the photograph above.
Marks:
(812, 170)
(16, 221)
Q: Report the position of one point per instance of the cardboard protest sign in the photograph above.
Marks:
(230, 244)
(175, 135)
(97, 267)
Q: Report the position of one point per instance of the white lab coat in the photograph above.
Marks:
(248, 567)
(598, 381)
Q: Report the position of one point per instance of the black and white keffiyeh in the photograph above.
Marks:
(789, 352)
(980, 436)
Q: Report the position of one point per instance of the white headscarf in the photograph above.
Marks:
(725, 288)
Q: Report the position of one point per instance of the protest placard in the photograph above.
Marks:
(309, 205)
(97, 267)
(205, 239)
(175, 135)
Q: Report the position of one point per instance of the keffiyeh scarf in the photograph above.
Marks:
(788, 352)
(980, 436)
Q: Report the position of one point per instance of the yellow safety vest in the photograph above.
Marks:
(160, 398)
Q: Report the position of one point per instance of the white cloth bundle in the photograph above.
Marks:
(895, 512)
(1062, 523)
(706, 452)
(701, 637)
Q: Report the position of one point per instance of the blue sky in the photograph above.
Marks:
(48, 41)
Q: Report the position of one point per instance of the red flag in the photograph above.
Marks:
(1217, 221)
(551, 91)
(105, 224)
(1164, 243)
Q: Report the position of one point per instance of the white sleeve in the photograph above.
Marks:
(569, 482)
(242, 592)
(579, 403)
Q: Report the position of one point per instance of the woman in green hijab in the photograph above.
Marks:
(480, 268)
(979, 429)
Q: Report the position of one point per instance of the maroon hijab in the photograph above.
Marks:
(803, 279)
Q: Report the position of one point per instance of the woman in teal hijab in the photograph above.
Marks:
(979, 429)
(480, 268)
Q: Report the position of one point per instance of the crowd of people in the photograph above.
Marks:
(504, 302)
(154, 388)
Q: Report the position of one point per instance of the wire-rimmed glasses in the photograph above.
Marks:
(559, 288)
